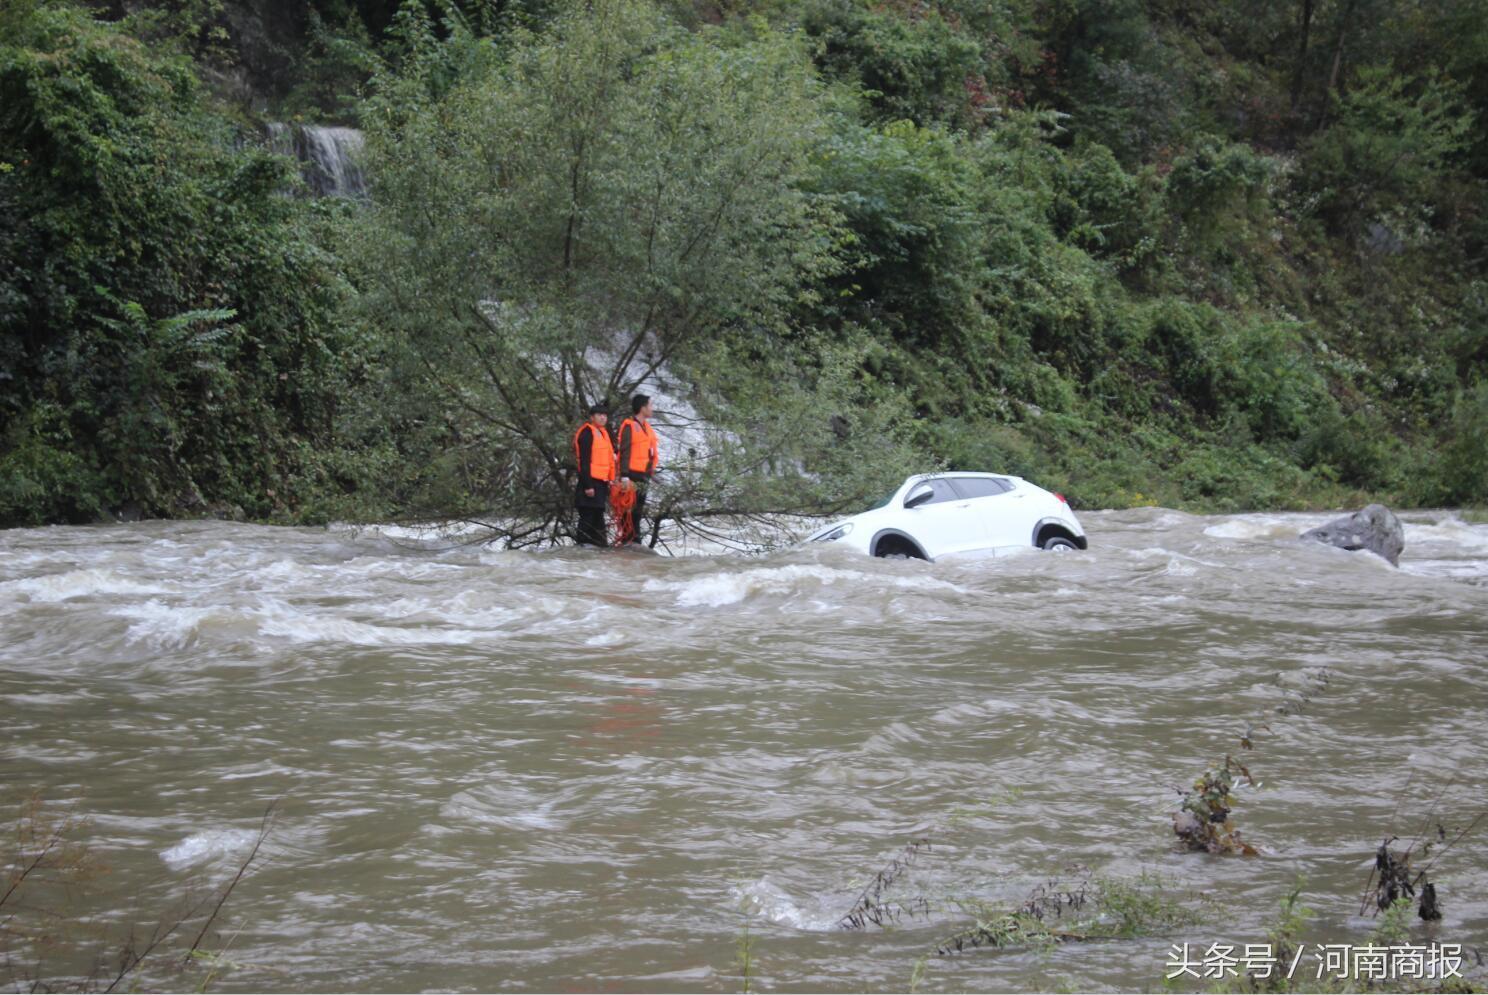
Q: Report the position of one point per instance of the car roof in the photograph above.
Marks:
(962, 473)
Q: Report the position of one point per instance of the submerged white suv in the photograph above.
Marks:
(944, 514)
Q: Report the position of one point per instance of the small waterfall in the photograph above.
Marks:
(327, 157)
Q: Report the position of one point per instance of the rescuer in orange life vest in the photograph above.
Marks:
(596, 461)
(639, 454)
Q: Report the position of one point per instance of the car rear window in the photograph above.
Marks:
(976, 487)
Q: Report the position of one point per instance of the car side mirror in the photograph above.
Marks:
(919, 497)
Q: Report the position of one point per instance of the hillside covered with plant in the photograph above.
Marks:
(1218, 257)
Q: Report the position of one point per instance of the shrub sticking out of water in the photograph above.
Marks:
(45, 863)
(1033, 923)
(43, 846)
(1203, 821)
(1291, 973)
(1085, 909)
(1299, 691)
(871, 907)
(1145, 906)
(42, 861)
(1286, 931)
(1391, 880)
(1394, 880)
(744, 959)
(1284, 935)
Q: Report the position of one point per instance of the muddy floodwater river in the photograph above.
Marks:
(582, 771)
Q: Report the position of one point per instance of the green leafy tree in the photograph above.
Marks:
(588, 209)
(1391, 141)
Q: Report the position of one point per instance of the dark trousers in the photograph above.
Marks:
(641, 483)
(591, 531)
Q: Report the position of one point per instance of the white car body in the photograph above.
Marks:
(964, 513)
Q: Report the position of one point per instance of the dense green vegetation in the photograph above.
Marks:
(1139, 252)
(171, 331)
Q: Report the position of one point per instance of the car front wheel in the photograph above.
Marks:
(896, 548)
(1059, 544)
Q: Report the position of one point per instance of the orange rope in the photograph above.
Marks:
(622, 499)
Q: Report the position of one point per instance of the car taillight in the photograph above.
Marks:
(1062, 499)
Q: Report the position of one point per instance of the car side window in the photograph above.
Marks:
(942, 488)
(979, 487)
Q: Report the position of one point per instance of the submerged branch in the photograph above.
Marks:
(870, 906)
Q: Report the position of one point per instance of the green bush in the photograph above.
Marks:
(1389, 145)
(1213, 176)
(1237, 478)
(41, 476)
(1355, 449)
(135, 230)
(1102, 208)
(1266, 374)
(909, 67)
(1461, 472)
(908, 197)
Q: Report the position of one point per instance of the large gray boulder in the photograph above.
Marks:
(1375, 528)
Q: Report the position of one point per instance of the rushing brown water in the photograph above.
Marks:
(571, 771)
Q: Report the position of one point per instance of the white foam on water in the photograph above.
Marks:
(1468, 570)
(516, 808)
(384, 568)
(765, 899)
(483, 607)
(78, 584)
(278, 570)
(716, 590)
(300, 627)
(891, 737)
(1368, 559)
(622, 679)
(1178, 564)
(1469, 541)
(44, 698)
(961, 713)
(209, 846)
(349, 576)
(1256, 527)
(418, 532)
(264, 768)
(22, 563)
(170, 626)
(1452, 530)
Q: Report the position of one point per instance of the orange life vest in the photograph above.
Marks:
(601, 453)
(645, 449)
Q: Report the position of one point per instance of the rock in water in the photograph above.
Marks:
(1375, 528)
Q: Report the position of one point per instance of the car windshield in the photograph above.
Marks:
(887, 499)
